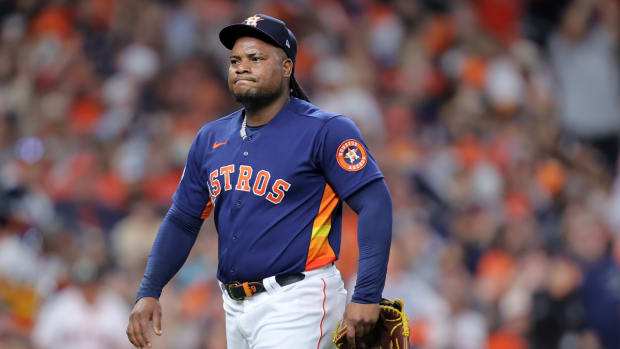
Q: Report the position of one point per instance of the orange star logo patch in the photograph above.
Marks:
(351, 155)
(253, 21)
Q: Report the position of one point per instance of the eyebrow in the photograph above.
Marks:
(249, 54)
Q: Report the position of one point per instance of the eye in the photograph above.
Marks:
(234, 61)
(257, 59)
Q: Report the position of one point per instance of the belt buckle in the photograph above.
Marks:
(230, 292)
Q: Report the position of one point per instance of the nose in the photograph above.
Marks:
(242, 67)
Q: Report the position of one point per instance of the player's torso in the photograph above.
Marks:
(268, 167)
(266, 190)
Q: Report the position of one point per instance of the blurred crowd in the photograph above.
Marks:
(495, 122)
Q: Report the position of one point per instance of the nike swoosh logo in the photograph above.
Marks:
(216, 144)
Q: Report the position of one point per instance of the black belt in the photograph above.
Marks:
(238, 291)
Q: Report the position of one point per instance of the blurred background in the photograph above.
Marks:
(495, 122)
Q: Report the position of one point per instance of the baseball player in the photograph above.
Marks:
(275, 174)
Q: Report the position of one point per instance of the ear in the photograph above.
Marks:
(287, 67)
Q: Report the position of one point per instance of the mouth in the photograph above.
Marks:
(244, 80)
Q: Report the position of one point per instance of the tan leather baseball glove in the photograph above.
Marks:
(391, 332)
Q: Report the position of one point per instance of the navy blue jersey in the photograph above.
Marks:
(276, 195)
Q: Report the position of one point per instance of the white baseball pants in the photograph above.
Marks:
(302, 315)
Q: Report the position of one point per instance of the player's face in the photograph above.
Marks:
(257, 71)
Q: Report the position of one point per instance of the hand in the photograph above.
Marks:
(138, 332)
(360, 320)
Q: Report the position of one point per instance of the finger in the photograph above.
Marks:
(368, 333)
(130, 333)
(351, 335)
(360, 333)
(157, 322)
(143, 333)
(360, 330)
(368, 328)
(133, 334)
(146, 331)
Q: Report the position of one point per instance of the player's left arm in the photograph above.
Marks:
(355, 176)
(373, 205)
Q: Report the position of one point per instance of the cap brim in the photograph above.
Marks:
(230, 34)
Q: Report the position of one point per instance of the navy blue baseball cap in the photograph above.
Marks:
(263, 27)
(268, 29)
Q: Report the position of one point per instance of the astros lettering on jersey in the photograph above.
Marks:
(276, 195)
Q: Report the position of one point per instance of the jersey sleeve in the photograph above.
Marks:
(192, 194)
(344, 158)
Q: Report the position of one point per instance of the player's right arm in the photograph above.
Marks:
(174, 241)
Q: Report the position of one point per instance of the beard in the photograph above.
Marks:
(256, 98)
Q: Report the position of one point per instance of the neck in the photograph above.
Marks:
(260, 115)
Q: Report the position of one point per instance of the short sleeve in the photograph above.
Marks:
(344, 158)
(192, 194)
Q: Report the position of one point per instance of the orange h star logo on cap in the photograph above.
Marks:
(253, 21)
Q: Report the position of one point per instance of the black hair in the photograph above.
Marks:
(297, 91)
